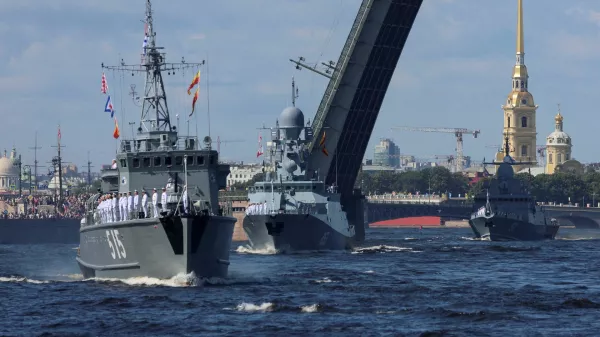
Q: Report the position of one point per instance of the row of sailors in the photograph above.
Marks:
(124, 206)
(257, 209)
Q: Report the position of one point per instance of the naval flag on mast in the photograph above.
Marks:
(109, 107)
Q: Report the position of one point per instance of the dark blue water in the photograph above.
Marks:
(437, 282)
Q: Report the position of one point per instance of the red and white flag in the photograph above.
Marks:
(104, 88)
(260, 147)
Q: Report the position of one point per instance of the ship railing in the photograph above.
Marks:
(182, 143)
(108, 215)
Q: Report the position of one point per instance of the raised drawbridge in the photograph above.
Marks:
(358, 83)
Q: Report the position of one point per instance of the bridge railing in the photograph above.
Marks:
(406, 199)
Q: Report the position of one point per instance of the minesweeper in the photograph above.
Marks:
(180, 231)
(288, 211)
(507, 211)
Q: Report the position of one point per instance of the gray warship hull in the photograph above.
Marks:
(480, 227)
(507, 229)
(39, 231)
(157, 247)
(293, 232)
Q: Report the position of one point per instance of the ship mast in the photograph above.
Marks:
(155, 111)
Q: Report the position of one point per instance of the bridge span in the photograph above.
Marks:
(380, 208)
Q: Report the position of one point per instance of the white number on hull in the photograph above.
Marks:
(117, 249)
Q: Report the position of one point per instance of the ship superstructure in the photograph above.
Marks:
(289, 211)
(157, 213)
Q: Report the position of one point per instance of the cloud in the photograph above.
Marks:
(586, 14)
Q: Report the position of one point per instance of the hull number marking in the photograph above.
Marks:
(117, 249)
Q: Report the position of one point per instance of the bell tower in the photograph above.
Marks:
(519, 108)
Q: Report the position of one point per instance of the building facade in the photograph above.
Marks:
(558, 146)
(387, 153)
(519, 108)
(241, 174)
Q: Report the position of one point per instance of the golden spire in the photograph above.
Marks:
(520, 39)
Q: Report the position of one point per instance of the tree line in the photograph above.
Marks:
(558, 187)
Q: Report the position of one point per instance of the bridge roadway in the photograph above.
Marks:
(380, 208)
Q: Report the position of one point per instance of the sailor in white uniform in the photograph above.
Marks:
(145, 203)
(130, 206)
(114, 207)
(163, 199)
(114, 164)
(123, 206)
(186, 202)
(154, 202)
(136, 204)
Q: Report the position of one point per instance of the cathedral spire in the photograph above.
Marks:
(520, 76)
(520, 39)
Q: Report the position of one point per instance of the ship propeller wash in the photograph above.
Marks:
(507, 211)
(174, 224)
(288, 211)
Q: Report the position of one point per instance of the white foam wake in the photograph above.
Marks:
(272, 307)
(179, 280)
(383, 249)
(269, 250)
(21, 279)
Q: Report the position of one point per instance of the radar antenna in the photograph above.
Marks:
(134, 97)
(155, 111)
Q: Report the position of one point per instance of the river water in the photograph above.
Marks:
(400, 282)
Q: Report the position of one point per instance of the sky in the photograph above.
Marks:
(455, 70)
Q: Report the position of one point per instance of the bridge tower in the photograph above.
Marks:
(519, 108)
(350, 105)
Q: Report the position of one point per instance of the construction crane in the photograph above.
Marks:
(458, 133)
(219, 142)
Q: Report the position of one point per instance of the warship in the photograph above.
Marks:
(507, 211)
(287, 211)
(183, 230)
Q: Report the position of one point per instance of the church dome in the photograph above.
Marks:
(7, 167)
(558, 137)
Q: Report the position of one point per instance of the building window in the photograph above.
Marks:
(157, 161)
(523, 122)
(168, 161)
(523, 150)
(178, 160)
(559, 158)
(146, 161)
(123, 163)
(549, 158)
(567, 157)
(524, 101)
(508, 123)
(200, 160)
(136, 162)
(522, 84)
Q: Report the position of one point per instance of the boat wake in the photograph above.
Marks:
(383, 249)
(248, 250)
(274, 307)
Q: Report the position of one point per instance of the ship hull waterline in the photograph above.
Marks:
(506, 229)
(293, 232)
(157, 247)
